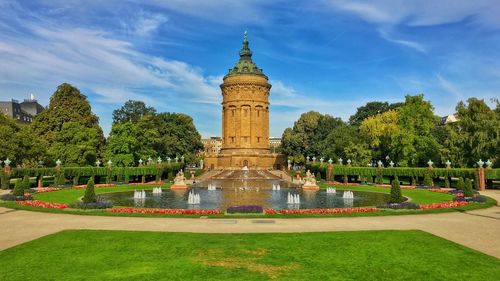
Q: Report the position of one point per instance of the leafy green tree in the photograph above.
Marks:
(308, 135)
(132, 111)
(68, 105)
(76, 145)
(396, 196)
(26, 182)
(460, 184)
(428, 180)
(89, 196)
(475, 136)
(371, 109)
(20, 144)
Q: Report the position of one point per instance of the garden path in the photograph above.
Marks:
(479, 229)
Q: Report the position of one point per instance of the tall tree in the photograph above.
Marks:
(371, 109)
(67, 104)
(132, 111)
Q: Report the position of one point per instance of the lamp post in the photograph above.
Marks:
(314, 159)
(480, 175)
(321, 160)
(480, 163)
(330, 161)
(7, 162)
(110, 163)
(391, 164)
(58, 162)
(168, 160)
(448, 164)
(489, 164)
(380, 164)
(176, 159)
(307, 159)
(149, 160)
(182, 158)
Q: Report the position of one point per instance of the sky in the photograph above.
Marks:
(324, 55)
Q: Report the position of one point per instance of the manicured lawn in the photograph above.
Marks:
(71, 195)
(419, 196)
(367, 255)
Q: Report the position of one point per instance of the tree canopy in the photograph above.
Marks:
(132, 111)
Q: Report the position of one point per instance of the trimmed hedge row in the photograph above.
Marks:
(340, 170)
(122, 173)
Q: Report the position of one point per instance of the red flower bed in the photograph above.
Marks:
(46, 189)
(96, 185)
(321, 211)
(146, 183)
(42, 204)
(443, 205)
(342, 184)
(163, 211)
(439, 190)
(389, 186)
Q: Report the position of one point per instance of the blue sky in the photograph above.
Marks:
(328, 56)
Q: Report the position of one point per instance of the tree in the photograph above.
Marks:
(20, 144)
(396, 196)
(132, 111)
(309, 133)
(76, 145)
(379, 132)
(89, 196)
(371, 109)
(67, 105)
(460, 184)
(476, 134)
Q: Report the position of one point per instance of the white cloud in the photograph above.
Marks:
(147, 23)
(407, 43)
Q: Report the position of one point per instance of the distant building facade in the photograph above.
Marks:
(274, 142)
(24, 111)
(448, 119)
(212, 145)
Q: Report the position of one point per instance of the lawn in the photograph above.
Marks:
(365, 255)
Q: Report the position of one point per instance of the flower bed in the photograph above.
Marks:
(96, 185)
(342, 184)
(42, 204)
(245, 209)
(389, 186)
(45, 189)
(146, 183)
(163, 211)
(443, 205)
(321, 211)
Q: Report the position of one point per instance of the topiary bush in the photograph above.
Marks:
(468, 192)
(18, 188)
(346, 179)
(428, 180)
(396, 196)
(4, 180)
(446, 182)
(413, 181)
(460, 184)
(89, 196)
(318, 176)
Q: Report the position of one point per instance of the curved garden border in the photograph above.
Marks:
(62, 205)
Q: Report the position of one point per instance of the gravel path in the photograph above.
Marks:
(479, 229)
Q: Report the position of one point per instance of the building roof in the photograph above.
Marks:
(245, 66)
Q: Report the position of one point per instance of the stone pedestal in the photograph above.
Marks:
(310, 186)
(481, 178)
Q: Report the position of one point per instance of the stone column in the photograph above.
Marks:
(480, 173)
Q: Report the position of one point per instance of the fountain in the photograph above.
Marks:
(276, 187)
(139, 194)
(211, 187)
(193, 198)
(293, 199)
(348, 195)
(157, 191)
(331, 190)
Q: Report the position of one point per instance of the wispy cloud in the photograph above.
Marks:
(407, 43)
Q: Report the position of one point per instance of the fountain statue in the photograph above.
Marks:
(157, 191)
(179, 181)
(310, 182)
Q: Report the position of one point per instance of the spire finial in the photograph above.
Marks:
(245, 36)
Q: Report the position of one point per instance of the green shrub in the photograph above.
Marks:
(18, 188)
(460, 184)
(428, 180)
(76, 180)
(4, 180)
(413, 181)
(346, 179)
(468, 188)
(379, 179)
(26, 182)
(89, 196)
(60, 179)
(396, 196)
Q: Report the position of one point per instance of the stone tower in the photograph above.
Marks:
(245, 118)
(245, 107)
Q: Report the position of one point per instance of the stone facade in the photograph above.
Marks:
(245, 119)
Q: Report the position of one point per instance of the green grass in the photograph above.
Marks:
(366, 255)
(71, 195)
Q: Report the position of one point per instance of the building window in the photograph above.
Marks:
(258, 139)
